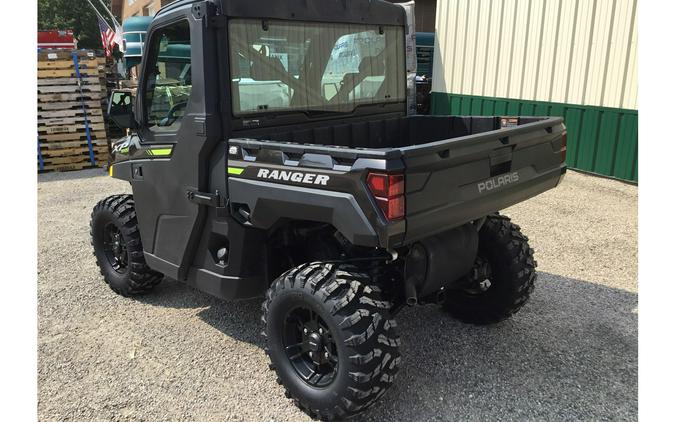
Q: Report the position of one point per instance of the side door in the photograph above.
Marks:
(178, 126)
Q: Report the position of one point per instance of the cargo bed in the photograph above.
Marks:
(457, 169)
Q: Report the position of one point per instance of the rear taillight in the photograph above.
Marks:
(388, 190)
(563, 147)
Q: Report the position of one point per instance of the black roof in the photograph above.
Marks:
(345, 11)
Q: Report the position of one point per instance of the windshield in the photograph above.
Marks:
(300, 66)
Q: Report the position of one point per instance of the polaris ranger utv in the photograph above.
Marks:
(271, 155)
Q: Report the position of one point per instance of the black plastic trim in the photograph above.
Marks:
(226, 287)
(269, 203)
(165, 267)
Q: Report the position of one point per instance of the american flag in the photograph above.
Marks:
(107, 36)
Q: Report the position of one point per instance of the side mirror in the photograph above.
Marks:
(120, 109)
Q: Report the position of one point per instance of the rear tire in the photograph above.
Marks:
(335, 310)
(512, 267)
(117, 247)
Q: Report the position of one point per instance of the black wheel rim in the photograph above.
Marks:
(480, 279)
(115, 248)
(310, 347)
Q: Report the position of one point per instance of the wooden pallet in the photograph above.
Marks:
(77, 143)
(70, 166)
(75, 117)
(44, 100)
(65, 63)
(78, 116)
(67, 73)
(49, 114)
(69, 81)
(69, 64)
(80, 156)
(66, 66)
(47, 138)
(75, 156)
(68, 105)
(78, 128)
(99, 151)
(69, 120)
(73, 89)
(56, 54)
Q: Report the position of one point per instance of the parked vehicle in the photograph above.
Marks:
(425, 65)
(328, 200)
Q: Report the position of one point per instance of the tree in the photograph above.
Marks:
(76, 15)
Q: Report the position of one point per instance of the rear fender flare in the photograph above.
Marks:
(269, 203)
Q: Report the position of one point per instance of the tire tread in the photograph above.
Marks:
(369, 332)
(140, 278)
(502, 238)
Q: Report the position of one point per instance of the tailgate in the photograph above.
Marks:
(454, 181)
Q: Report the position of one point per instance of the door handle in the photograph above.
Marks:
(204, 198)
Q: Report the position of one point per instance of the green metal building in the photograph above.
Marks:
(570, 58)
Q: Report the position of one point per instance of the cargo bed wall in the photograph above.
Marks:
(479, 175)
(381, 133)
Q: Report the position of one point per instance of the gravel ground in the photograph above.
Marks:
(178, 354)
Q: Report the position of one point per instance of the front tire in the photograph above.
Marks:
(511, 266)
(117, 247)
(330, 339)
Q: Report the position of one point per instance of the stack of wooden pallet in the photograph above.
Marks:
(71, 129)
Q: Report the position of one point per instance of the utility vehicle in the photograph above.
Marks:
(271, 155)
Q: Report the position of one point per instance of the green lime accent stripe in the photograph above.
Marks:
(235, 170)
(160, 152)
(600, 140)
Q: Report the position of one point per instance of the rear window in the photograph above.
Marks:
(288, 65)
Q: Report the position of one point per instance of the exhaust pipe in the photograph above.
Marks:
(440, 297)
(410, 291)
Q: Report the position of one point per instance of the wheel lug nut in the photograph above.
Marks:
(320, 330)
(305, 331)
(326, 355)
(311, 354)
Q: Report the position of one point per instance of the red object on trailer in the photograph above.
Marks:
(57, 39)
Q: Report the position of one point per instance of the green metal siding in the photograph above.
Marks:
(600, 140)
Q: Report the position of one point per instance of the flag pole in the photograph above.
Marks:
(118, 28)
(95, 10)
(117, 24)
